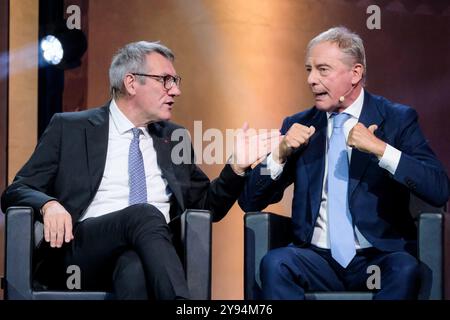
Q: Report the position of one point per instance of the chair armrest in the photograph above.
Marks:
(19, 244)
(262, 231)
(430, 253)
(446, 231)
(193, 240)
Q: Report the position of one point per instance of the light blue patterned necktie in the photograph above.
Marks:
(342, 240)
(136, 171)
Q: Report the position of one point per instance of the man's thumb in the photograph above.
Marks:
(373, 127)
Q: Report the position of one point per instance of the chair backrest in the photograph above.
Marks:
(417, 206)
(264, 231)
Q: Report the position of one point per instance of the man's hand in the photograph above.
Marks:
(251, 148)
(296, 136)
(57, 224)
(364, 139)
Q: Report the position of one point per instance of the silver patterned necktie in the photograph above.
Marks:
(136, 171)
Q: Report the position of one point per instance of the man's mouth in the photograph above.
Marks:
(320, 94)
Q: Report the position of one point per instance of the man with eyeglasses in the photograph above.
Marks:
(354, 159)
(108, 172)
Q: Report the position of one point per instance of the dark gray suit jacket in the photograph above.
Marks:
(69, 160)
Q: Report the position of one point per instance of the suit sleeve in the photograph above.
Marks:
(260, 189)
(217, 196)
(33, 183)
(419, 169)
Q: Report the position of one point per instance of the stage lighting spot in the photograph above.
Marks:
(52, 50)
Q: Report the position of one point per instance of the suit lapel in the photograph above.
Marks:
(163, 150)
(360, 160)
(314, 159)
(97, 146)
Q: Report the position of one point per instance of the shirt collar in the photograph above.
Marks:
(355, 108)
(120, 120)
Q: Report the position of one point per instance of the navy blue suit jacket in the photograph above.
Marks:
(378, 201)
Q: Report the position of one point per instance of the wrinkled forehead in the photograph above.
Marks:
(327, 53)
(157, 63)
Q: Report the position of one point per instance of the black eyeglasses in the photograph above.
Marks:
(168, 81)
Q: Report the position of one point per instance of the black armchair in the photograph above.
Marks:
(265, 231)
(192, 239)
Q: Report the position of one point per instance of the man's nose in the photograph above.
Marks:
(174, 91)
(312, 78)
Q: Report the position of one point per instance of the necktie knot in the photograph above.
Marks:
(136, 133)
(339, 119)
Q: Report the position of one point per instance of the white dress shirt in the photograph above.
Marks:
(388, 161)
(113, 192)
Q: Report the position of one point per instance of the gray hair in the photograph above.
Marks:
(130, 59)
(349, 42)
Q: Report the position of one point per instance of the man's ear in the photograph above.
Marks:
(129, 83)
(357, 73)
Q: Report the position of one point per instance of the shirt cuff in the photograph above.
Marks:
(230, 162)
(274, 167)
(240, 174)
(390, 159)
